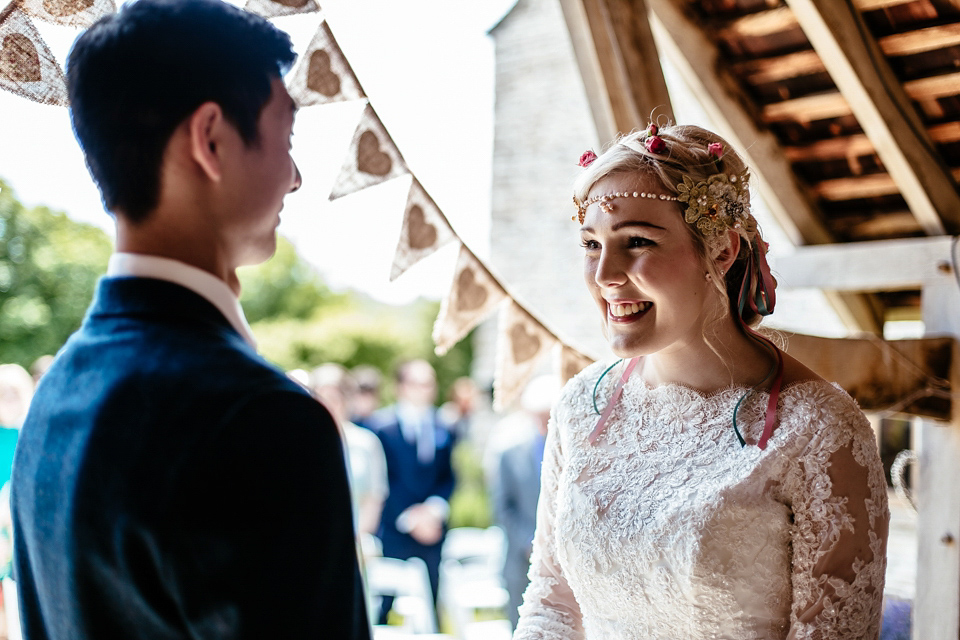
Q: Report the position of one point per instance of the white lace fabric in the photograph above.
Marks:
(666, 529)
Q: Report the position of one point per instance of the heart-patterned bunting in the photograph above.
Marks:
(274, 8)
(19, 60)
(27, 67)
(62, 8)
(572, 362)
(373, 158)
(522, 343)
(420, 233)
(324, 75)
(473, 295)
(70, 13)
(425, 229)
(370, 159)
(470, 295)
(320, 77)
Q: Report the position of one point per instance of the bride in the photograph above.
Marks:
(707, 485)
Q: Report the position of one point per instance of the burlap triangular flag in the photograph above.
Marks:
(274, 8)
(571, 362)
(472, 297)
(27, 67)
(372, 158)
(323, 74)
(521, 344)
(72, 13)
(425, 229)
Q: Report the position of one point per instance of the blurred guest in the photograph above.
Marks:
(459, 408)
(16, 391)
(516, 485)
(367, 398)
(418, 446)
(39, 367)
(367, 466)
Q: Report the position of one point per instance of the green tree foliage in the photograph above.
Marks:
(283, 287)
(49, 266)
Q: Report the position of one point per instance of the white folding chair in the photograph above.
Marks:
(409, 584)
(471, 580)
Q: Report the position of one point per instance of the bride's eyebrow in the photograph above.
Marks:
(636, 223)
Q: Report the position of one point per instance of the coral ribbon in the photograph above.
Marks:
(613, 399)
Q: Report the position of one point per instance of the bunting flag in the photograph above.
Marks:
(522, 342)
(71, 13)
(324, 75)
(571, 362)
(425, 229)
(274, 8)
(27, 68)
(372, 158)
(472, 297)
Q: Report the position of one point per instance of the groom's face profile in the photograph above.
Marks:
(261, 174)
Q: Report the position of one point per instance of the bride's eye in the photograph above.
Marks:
(590, 245)
(638, 241)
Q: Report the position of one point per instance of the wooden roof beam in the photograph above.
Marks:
(697, 58)
(619, 63)
(833, 104)
(857, 66)
(766, 23)
(859, 145)
(868, 186)
(803, 63)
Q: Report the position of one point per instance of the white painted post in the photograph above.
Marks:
(936, 612)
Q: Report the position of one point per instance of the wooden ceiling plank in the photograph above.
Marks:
(867, 186)
(832, 104)
(779, 19)
(619, 63)
(861, 73)
(696, 56)
(921, 40)
(804, 63)
(860, 145)
(879, 265)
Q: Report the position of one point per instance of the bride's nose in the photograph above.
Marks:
(609, 270)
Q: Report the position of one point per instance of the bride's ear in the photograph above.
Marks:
(725, 258)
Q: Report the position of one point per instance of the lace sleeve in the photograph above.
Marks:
(549, 610)
(841, 518)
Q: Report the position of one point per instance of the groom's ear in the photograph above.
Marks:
(206, 127)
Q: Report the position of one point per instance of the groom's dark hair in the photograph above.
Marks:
(133, 77)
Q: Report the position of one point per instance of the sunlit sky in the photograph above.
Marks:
(427, 67)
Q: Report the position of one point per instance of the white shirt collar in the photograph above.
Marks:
(204, 284)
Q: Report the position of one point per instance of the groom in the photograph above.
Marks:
(169, 483)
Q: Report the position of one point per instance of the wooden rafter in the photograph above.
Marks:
(802, 63)
(869, 186)
(832, 104)
(877, 99)
(860, 145)
(697, 57)
(619, 63)
(767, 23)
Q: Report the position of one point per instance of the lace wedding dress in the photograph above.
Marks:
(665, 528)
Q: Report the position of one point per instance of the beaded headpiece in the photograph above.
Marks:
(713, 206)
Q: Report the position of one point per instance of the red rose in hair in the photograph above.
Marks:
(587, 158)
(715, 149)
(655, 144)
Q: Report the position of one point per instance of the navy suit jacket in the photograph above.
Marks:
(169, 483)
(411, 482)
